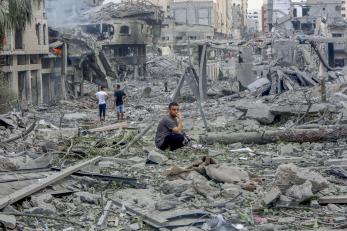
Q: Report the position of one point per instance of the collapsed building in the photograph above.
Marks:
(123, 31)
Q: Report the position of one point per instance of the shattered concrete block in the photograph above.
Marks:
(43, 201)
(286, 220)
(267, 227)
(227, 174)
(340, 219)
(288, 175)
(6, 164)
(285, 201)
(176, 186)
(87, 197)
(156, 157)
(259, 83)
(301, 192)
(196, 177)
(47, 210)
(287, 149)
(271, 196)
(165, 205)
(8, 220)
(334, 208)
(261, 113)
(314, 204)
(147, 92)
(133, 227)
(230, 190)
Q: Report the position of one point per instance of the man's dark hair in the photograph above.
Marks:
(102, 88)
(173, 104)
(118, 86)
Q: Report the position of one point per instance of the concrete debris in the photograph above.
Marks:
(289, 174)
(265, 113)
(301, 192)
(156, 157)
(9, 221)
(227, 174)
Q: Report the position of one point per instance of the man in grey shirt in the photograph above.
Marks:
(170, 130)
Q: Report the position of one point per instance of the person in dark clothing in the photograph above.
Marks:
(119, 103)
(170, 130)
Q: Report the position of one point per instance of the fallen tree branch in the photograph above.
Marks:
(24, 134)
(137, 137)
(292, 135)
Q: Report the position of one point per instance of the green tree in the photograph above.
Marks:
(13, 14)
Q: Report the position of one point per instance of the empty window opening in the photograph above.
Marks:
(124, 30)
(38, 34)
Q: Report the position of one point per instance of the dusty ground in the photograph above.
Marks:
(230, 180)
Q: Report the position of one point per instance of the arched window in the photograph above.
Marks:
(124, 30)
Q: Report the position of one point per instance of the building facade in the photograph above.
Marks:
(20, 58)
(254, 20)
(344, 8)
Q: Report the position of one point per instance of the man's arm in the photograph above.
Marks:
(179, 128)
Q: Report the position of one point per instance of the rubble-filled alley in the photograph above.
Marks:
(263, 114)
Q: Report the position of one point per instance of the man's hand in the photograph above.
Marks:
(179, 117)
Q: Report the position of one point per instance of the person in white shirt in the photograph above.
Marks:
(102, 98)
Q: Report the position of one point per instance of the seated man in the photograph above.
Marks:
(170, 130)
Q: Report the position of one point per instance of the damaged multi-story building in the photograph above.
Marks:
(196, 20)
(121, 33)
(20, 57)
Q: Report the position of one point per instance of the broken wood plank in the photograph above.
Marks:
(103, 218)
(109, 127)
(27, 191)
(291, 135)
(342, 199)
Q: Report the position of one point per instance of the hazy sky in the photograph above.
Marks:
(255, 4)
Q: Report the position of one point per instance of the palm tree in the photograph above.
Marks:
(13, 14)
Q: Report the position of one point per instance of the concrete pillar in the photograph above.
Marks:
(63, 71)
(14, 80)
(39, 87)
(28, 89)
(136, 72)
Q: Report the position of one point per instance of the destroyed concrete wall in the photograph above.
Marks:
(130, 31)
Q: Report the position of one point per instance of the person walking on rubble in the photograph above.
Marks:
(119, 103)
(102, 98)
(170, 130)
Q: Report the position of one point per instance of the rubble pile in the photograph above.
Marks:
(267, 150)
(133, 9)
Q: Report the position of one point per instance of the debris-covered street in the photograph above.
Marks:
(262, 116)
